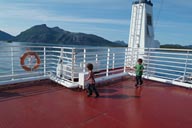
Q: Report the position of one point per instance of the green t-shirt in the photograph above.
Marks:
(139, 69)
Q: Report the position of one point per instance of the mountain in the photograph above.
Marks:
(176, 46)
(44, 34)
(120, 42)
(5, 36)
(189, 46)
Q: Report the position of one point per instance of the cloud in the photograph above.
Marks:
(174, 24)
(87, 20)
(37, 14)
(84, 1)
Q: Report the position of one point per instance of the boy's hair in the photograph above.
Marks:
(140, 60)
(89, 66)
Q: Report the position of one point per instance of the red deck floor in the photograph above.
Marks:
(43, 104)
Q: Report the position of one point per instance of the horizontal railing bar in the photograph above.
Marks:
(165, 69)
(163, 77)
(166, 65)
(167, 57)
(163, 73)
(168, 53)
(23, 74)
(172, 62)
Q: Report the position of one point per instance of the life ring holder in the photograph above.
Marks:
(31, 54)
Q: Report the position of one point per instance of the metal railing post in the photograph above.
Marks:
(185, 69)
(96, 58)
(12, 65)
(73, 62)
(113, 63)
(44, 51)
(108, 57)
(84, 59)
(148, 57)
(60, 73)
(125, 61)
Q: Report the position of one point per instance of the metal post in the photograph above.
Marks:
(75, 57)
(44, 49)
(60, 72)
(108, 57)
(96, 58)
(73, 62)
(132, 63)
(148, 57)
(12, 65)
(185, 69)
(125, 61)
(84, 60)
(113, 64)
(129, 57)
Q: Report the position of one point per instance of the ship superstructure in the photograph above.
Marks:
(141, 33)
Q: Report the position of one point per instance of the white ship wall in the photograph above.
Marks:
(147, 31)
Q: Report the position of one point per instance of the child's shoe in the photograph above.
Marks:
(96, 96)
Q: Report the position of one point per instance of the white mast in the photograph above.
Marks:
(141, 33)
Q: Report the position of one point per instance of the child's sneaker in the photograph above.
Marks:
(96, 96)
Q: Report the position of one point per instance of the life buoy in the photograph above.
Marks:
(30, 54)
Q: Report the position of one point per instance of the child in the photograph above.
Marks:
(139, 72)
(91, 81)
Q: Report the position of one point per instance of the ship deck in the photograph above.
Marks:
(44, 104)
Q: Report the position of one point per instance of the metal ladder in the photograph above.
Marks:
(133, 52)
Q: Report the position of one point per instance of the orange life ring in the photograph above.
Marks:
(24, 56)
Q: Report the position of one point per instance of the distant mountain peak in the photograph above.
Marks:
(42, 25)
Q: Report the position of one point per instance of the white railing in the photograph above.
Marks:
(11, 70)
(169, 65)
(63, 64)
(106, 61)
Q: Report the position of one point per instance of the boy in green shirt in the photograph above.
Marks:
(139, 72)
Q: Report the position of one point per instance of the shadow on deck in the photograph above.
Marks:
(20, 90)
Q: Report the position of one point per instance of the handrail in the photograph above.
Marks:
(107, 60)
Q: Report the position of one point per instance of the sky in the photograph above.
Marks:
(109, 19)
